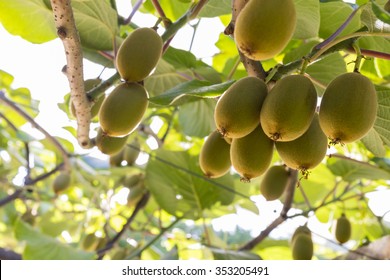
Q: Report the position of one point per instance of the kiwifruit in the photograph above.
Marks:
(289, 108)
(307, 151)
(132, 151)
(263, 27)
(214, 157)
(109, 145)
(387, 6)
(138, 54)
(343, 229)
(302, 247)
(123, 109)
(133, 180)
(348, 108)
(89, 242)
(274, 182)
(300, 230)
(135, 194)
(251, 155)
(116, 159)
(61, 182)
(237, 111)
(88, 85)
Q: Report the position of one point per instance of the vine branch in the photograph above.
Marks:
(67, 32)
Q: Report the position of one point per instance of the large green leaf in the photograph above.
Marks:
(30, 19)
(351, 170)
(374, 143)
(6, 80)
(308, 19)
(96, 22)
(42, 247)
(380, 12)
(179, 187)
(197, 118)
(333, 15)
(190, 91)
(216, 8)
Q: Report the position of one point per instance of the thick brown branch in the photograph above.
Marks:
(67, 32)
(289, 194)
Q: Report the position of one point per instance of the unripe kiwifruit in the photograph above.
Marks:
(289, 108)
(274, 182)
(61, 182)
(89, 242)
(138, 55)
(123, 109)
(307, 151)
(251, 155)
(300, 230)
(131, 152)
(237, 111)
(136, 194)
(116, 159)
(133, 180)
(214, 157)
(263, 27)
(302, 247)
(343, 229)
(348, 108)
(88, 85)
(109, 145)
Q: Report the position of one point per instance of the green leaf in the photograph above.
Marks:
(197, 118)
(221, 254)
(308, 19)
(43, 247)
(190, 91)
(374, 143)
(179, 187)
(215, 8)
(350, 169)
(96, 22)
(375, 43)
(333, 15)
(173, 9)
(30, 19)
(380, 13)
(382, 122)
(6, 80)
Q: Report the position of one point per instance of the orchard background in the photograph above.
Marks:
(173, 211)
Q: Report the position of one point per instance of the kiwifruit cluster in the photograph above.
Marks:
(253, 120)
(123, 109)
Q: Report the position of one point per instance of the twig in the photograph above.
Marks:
(67, 32)
(237, 6)
(52, 139)
(136, 7)
(11, 197)
(293, 178)
(161, 13)
(141, 204)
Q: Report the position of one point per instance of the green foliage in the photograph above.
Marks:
(173, 210)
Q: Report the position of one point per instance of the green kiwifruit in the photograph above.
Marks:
(289, 108)
(343, 229)
(138, 54)
(123, 109)
(109, 145)
(61, 182)
(274, 182)
(88, 85)
(307, 151)
(237, 111)
(116, 159)
(348, 108)
(251, 155)
(214, 157)
(300, 230)
(132, 151)
(263, 27)
(302, 247)
(133, 180)
(135, 194)
(90, 242)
